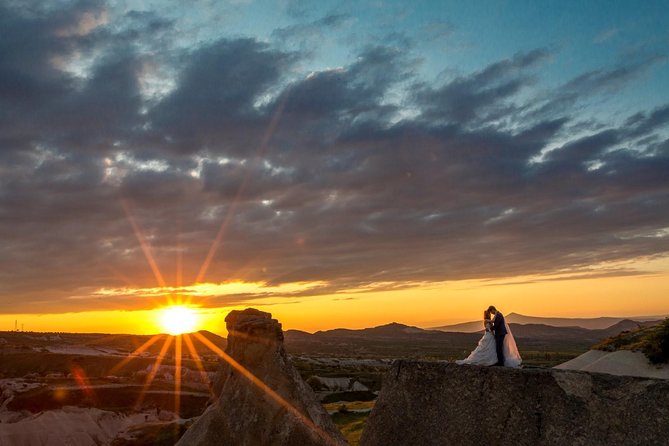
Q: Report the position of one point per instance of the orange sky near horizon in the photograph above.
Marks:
(424, 306)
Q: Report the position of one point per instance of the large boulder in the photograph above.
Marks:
(428, 403)
(260, 397)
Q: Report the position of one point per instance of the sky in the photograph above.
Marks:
(335, 163)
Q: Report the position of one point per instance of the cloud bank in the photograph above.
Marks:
(347, 177)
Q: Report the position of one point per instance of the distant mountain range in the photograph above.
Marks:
(533, 331)
(597, 323)
(398, 340)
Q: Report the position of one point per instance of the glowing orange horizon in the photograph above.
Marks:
(423, 306)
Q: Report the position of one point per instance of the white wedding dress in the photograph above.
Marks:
(485, 352)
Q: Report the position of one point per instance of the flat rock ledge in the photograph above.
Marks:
(430, 403)
(262, 400)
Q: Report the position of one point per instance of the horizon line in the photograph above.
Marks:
(423, 327)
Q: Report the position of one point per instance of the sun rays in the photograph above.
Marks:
(264, 387)
(178, 320)
(144, 244)
(187, 338)
(196, 358)
(262, 148)
(179, 317)
(152, 374)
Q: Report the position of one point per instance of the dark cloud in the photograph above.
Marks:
(643, 123)
(338, 98)
(466, 99)
(345, 176)
(214, 104)
(586, 148)
(597, 82)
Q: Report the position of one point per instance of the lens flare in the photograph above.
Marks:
(178, 319)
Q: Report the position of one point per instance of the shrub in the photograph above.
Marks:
(657, 346)
(652, 341)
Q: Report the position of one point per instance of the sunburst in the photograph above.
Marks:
(179, 318)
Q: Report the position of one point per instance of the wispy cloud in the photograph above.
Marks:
(606, 35)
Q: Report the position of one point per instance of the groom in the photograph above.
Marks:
(499, 330)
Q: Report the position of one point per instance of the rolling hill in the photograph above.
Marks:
(403, 341)
(598, 323)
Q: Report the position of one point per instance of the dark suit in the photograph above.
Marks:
(499, 330)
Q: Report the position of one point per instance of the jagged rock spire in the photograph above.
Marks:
(260, 397)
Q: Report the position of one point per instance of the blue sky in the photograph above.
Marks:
(458, 37)
(448, 37)
(311, 142)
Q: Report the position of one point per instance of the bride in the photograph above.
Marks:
(485, 352)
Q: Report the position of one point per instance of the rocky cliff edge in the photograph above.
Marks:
(428, 403)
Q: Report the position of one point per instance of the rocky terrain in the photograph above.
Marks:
(83, 389)
(294, 387)
(260, 397)
(427, 403)
(92, 389)
(642, 351)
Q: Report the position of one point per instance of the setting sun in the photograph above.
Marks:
(177, 320)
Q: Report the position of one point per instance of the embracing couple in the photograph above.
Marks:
(497, 346)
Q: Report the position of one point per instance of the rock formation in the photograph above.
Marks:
(621, 362)
(423, 403)
(260, 397)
